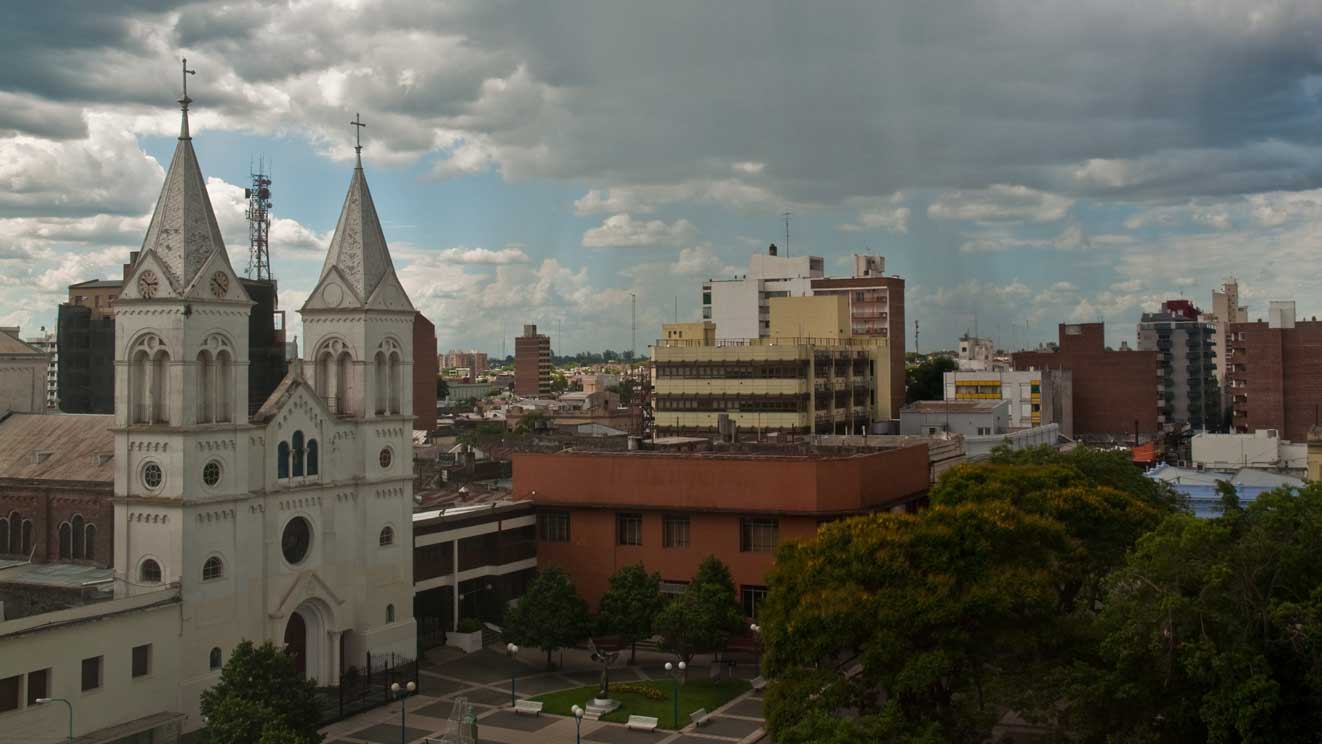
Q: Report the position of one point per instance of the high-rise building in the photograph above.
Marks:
(1274, 371)
(1036, 397)
(1186, 365)
(1225, 310)
(532, 363)
(473, 361)
(809, 375)
(1114, 391)
(740, 307)
(46, 343)
(425, 373)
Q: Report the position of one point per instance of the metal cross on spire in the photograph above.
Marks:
(358, 137)
(183, 102)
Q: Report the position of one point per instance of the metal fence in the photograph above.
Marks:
(366, 688)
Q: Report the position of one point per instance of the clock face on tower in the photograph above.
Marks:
(148, 284)
(220, 283)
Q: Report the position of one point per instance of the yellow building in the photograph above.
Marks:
(809, 376)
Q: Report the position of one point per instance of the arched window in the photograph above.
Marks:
(139, 399)
(382, 386)
(395, 382)
(282, 460)
(4, 535)
(323, 381)
(344, 384)
(204, 387)
(66, 541)
(149, 572)
(387, 536)
(160, 388)
(27, 537)
(77, 537)
(312, 457)
(296, 454)
(213, 661)
(15, 532)
(89, 541)
(224, 386)
(212, 569)
(390, 613)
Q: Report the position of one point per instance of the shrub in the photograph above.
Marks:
(469, 625)
(646, 689)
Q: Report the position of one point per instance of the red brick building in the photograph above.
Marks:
(56, 481)
(425, 373)
(532, 363)
(1115, 392)
(1275, 376)
(599, 511)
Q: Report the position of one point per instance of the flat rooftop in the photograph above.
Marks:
(954, 406)
(62, 575)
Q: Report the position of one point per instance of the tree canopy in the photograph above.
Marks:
(926, 379)
(261, 697)
(705, 616)
(630, 606)
(550, 615)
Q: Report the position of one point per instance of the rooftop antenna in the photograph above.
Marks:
(786, 215)
(258, 215)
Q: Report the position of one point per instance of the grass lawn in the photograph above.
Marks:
(697, 693)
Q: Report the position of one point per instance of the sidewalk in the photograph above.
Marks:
(484, 679)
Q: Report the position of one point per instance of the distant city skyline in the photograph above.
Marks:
(1028, 164)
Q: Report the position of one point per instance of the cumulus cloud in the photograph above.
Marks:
(698, 259)
(507, 255)
(622, 230)
(1000, 203)
(888, 214)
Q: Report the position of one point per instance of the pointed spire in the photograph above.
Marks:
(358, 125)
(183, 233)
(358, 248)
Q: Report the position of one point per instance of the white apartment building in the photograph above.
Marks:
(1036, 397)
(741, 308)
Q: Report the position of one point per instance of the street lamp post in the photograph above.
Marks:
(43, 701)
(757, 647)
(402, 693)
(674, 679)
(514, 651)
(578, 724)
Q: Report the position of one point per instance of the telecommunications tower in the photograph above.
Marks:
(259, 224)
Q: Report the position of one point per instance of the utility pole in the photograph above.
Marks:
(786, 215)
(633, 324)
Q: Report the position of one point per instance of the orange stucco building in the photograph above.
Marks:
(598, 511)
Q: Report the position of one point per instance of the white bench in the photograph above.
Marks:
(759, 683)
(528, 706)
(699, 716)
(643, 723)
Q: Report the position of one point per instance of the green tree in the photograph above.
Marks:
(926, 379)
(261, 693)
(625, 389)
(442, 388)
(484, 435)
(550, 615)
(630, 605)
(705, 616)
(1212, 631)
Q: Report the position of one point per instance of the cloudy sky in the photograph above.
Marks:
(1018, 161)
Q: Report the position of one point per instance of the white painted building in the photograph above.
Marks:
(292, 526)
(741, 307)
(46, 344)
(1036, 396)
(1263, 448)
(23, 375)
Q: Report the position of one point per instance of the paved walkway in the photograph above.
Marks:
(484, 679)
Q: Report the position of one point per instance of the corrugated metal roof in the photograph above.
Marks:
(57, 446)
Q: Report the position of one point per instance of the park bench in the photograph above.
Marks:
(699, 716)
(759, 683)
(528, 706)
(643, 723)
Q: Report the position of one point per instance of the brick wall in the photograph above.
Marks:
(1282, 376)
(50, 504)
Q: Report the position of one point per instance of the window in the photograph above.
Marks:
(387, 536)
(91, 674)
(89, 539)
(385, 457)
(213, 569)
(9, 693)
(213, 660)
(4, 534)
(282, 461)
(629, 529)
(296, 454)
(150, 572)
(758, 534)
(211, 473)
(152, 476)
(553, 526)
(295, 540)
(38, 685)
(984, 431)
(312, 457)
(77, 526)
(142, 660)
(390, 613)
(66, 541)
(753, 597)
(675, 531)
(673, 588)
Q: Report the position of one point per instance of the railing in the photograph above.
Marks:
(364, 689)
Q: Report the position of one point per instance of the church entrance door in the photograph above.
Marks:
(296, 642)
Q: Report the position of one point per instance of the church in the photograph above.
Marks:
(292, 525)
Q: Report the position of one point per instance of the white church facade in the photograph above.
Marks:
(292, 525)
